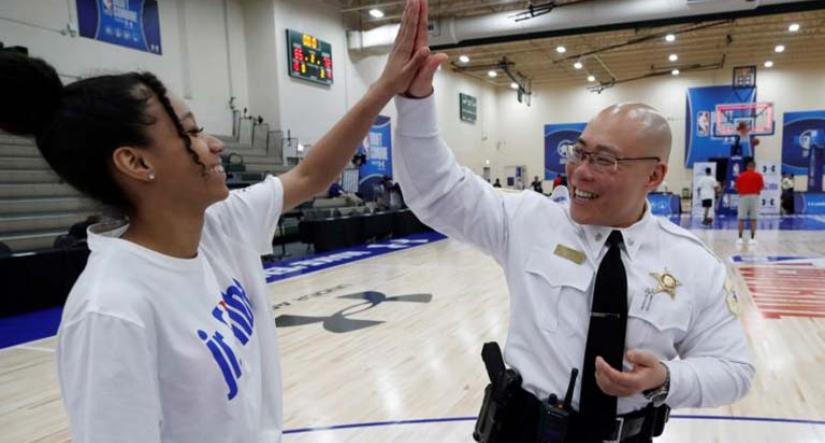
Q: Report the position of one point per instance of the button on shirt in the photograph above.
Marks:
(693, 331)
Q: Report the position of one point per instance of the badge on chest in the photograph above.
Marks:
(666, 283)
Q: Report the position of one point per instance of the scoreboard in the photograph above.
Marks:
(309, 58)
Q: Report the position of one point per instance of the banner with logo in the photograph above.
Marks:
(378, 149)
(772, 192)
(556, 138)
(700, 142)
(130, 23)
(664, 204)
(803, 143)
(809, 203)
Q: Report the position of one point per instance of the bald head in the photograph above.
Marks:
(646, 128)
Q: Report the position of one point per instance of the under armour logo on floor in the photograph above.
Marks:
(340, 322)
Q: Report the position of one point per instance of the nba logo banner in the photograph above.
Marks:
(557, 138)
(129, 23)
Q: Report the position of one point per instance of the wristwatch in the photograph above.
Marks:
(658, 395)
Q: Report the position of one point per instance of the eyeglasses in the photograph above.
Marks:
(600, 161)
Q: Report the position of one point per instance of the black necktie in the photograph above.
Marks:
(608, 323)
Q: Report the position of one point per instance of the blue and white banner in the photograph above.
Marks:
(700, 142)
(556, 138)
(803, 143)
(130, 23)
(809, 203)
(771, 194)
(664, 204)
(378, 149)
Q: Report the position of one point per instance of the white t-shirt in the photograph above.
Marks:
(153, 348)
(707, 188)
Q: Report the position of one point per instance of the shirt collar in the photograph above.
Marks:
(595, 236)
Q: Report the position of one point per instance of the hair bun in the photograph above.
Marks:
(31, 91)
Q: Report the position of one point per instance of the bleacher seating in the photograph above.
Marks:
(36, 206)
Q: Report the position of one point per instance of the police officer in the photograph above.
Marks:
(642, 307)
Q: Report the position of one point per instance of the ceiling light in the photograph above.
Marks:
(794, 27)
(377, 13)
(513, 85)
(464, 59)
(591, 78)
(561, 49)
(675, 72)
(673, 57)
(577, 65)
(769, 64)
(492, 74)
(779, 48)
(670, 37)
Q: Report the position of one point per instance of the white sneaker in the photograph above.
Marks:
(752, 242)
(740, 242)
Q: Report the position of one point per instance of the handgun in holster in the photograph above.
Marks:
(499, 395)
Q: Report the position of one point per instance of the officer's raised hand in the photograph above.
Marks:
(647, 373)
(422, 85)
(407, 56)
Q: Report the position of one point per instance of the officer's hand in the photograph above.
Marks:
(422, 84)
(407, 56)
(646, 374)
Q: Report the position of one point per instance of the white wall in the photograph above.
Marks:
(308, 109)
(261, 69)
(194, 62)
(472, 143)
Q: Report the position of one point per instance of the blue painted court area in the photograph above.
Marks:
(41, 324)
(29, 327)
(765, 223)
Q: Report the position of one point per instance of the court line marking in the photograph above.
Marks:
(457, 419)
(34, 348)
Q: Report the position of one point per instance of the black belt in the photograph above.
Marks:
(647, 422)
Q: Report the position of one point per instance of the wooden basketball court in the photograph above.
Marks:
(387, 349)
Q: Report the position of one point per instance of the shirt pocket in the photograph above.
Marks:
(658, 321)
(552, 280)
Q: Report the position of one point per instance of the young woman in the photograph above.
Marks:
(167, 335)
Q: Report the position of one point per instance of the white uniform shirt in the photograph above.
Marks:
(694, 333)
(153, 348)
(707, 188)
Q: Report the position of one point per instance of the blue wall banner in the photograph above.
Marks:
(378, 149)
(664, 204)
(556, 138)
(131, 23)
(700, 142)
(809, 203)
(803, 143)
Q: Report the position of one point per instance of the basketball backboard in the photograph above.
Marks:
(757, 116)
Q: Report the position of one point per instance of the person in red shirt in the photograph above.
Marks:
(749, 184)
